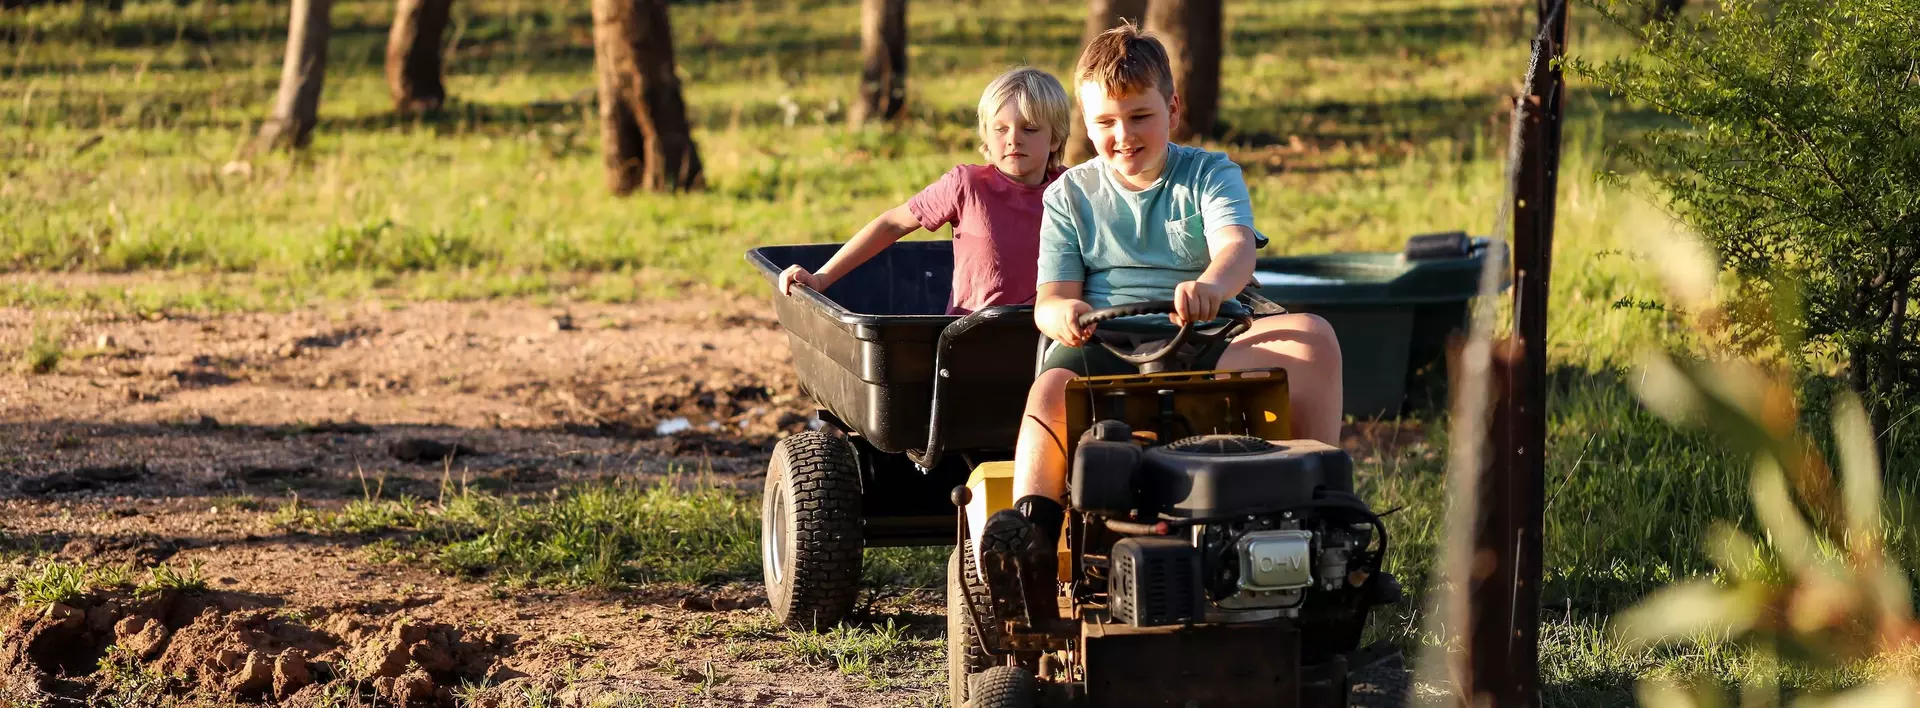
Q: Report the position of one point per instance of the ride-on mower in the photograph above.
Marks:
(1209, 559)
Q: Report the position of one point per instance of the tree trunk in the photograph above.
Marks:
(1880, 411)
(297, 107)
(1191, 30)
(1102, 15)
(645, 137)
(413, 55)
(1666, 10)
(883, 47)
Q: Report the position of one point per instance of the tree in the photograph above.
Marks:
(302, 73)
(645, 138)
(413, 55)
(1665, 10)
(1798, 162)
(1102, 15)
(883, 48)
(1191, 29)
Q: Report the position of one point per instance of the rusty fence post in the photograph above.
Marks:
(1504, 586)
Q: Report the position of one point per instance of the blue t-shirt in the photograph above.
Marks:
(1129, 246)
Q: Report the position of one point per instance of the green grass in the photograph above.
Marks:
(501, 193)
(124, 681)
(165, 578)
(53, 582)
(1357, 123)
(594, 536)
(42, 355)
(882, 656)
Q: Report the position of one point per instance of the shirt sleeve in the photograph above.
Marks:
(939, 204)
(1224, 200)
(1060, 256)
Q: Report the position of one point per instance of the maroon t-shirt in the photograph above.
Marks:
(996, 234)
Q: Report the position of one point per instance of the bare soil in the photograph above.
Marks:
(170, 438)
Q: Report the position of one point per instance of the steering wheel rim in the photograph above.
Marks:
(1239, 318)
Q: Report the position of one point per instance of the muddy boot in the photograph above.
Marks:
(1017, 559)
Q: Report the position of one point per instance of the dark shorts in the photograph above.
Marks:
(1095, 360)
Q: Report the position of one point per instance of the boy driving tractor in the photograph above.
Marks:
(1145, 220)
(1212, 548)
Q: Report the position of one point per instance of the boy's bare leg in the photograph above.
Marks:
(1304, 345)
(1039, 458)
(1040, 455)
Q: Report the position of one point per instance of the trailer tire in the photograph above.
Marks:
(966, 653)
(1005, 687)
(811, 545)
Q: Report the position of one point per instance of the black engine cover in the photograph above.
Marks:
(1156, 582)
(1228, 475)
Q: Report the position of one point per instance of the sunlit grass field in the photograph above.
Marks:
(1358, 124)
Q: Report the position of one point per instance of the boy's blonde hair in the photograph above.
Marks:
(1125, 61)
(1039, 98)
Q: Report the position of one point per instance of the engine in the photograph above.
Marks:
(1227, 528)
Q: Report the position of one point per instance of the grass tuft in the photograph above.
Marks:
(43, 354)
(601, 536)
(880, 655)
(53, 583)
(165, 578)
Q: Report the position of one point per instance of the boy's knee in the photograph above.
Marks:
(1050, 386)
(1310, 337)
(1320, 335)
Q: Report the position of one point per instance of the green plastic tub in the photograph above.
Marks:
(1392, 313)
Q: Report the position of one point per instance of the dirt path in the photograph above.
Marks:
(171, 440)
(206, 404)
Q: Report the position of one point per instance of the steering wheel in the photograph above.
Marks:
(1238, 318)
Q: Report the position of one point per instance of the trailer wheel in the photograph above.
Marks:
(810, 532)
(1006, 687)
(966, 654)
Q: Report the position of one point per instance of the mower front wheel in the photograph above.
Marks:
(1005, 687)
(966, 653)
(811, 545)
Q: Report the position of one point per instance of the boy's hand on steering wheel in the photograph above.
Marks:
(1058, 320)
(1197, 302)
(796, 274)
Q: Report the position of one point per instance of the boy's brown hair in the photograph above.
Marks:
(1124, 61)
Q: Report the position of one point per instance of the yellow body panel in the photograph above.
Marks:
(1254, 402)
(991, 484)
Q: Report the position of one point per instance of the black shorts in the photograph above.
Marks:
(1095, 360)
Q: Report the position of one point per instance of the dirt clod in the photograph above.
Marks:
(40, 644)
(390, 656)
(290, 673)
(255, 677)
(143, 636)
(418, 450)
(82, 479)
(236, 651)
(720, 603)
(143, 549)
(411, 688)
(338, 427)
(270, 473)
